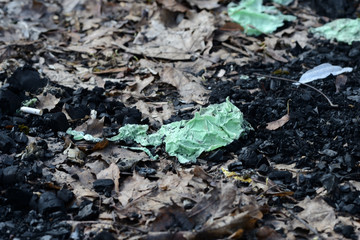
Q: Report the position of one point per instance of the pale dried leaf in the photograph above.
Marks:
(318, 214)
(190, 91)
(278, 123)
(134, 188)
(204, 4)
(81, 49)
(93, 127)
(125, 158)
(155, 111)
(180, 43)
(47, 101)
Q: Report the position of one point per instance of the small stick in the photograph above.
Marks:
(290, 80)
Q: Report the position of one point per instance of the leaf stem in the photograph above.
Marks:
(294, 81)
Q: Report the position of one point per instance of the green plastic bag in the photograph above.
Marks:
(213, 127)
(343, 30)
(256, 18)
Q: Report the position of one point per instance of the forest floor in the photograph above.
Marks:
(95, 66)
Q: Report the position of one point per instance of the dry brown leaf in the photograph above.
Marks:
(171, 216)
(317, 213)
(278, 123)
(78, 188)
(135, 188)
(180, 43)
(217, 203)
(112, 70)
(230, 224)
(204, 4)
(100, 145)
(92, 126)
(112, 172)
(173, 5)
(340, 82)
(188, 89)
(47, 101)
(58, 73)
(81, 49)
(155, 111)
(123, 157)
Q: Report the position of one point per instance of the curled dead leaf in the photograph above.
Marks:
(278, 123)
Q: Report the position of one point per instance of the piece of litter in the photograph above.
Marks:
(235, 176)
(283, 2)
(322, 71)
(343, 30)
(30, 110)
(256, 18)
(211, 128)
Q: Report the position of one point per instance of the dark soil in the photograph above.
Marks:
(320, 139)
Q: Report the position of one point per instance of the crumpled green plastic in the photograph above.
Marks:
(256, 18)
(343, 30)
(213, 127)
(283, 2)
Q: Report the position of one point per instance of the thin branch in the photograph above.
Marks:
(290, 80)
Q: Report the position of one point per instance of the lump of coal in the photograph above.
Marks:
(77, 112)
(56, 121)
(145, 171)
(11, 175)
(216, 156)
(9, 101)
(26, 79)
(87, 211)
(330, 182)
(6, 143)
(283, 176)
(104, 236)
(66, 195)
(18, 198)
(49, 202)
(103, 186)
(249, 157)
(334, 8)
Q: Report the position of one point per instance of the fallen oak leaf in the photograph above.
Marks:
(278, 123)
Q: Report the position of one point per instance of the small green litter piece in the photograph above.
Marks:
(213, 127)
(343, 30)
(256, 18)
(29, 103)
(283, 2)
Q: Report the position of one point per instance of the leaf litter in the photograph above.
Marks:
(104, 58)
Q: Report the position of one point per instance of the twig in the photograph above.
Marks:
(290, 80)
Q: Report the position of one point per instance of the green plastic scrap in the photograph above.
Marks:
(343, 30)
(256, 18)
(29, 103)
(211, 128)
(283, 2)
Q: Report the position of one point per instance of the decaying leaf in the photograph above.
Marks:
(278, 123)
(317, 213)
(92, 126)
(189, 89)
(47, 101)
(124, 158)
(190, 37)
(340, 82)
(155, 111)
